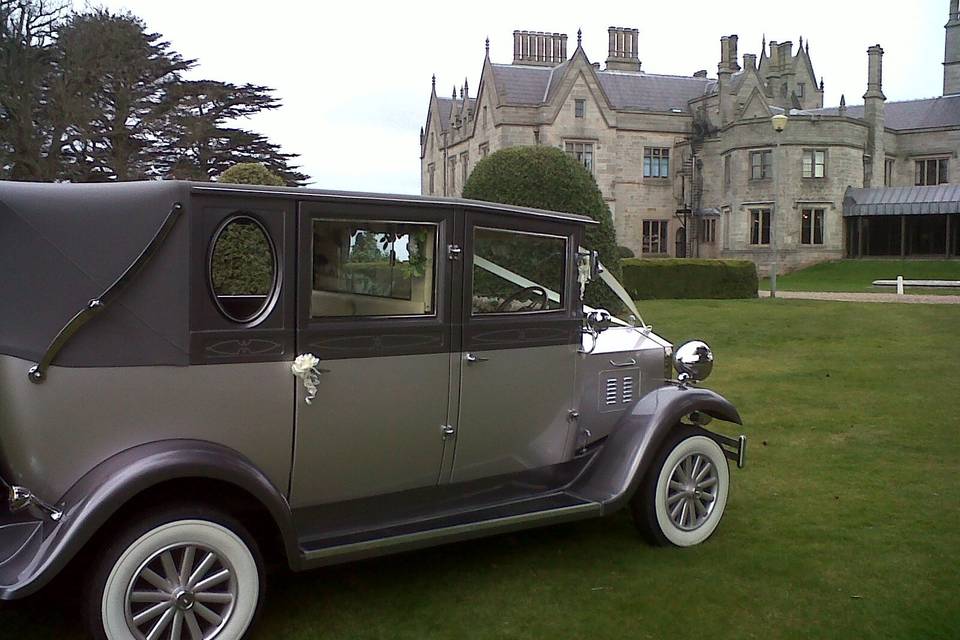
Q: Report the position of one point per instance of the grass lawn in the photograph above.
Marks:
(845, 523)
(857, 275)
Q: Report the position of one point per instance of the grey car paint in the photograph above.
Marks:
(374, 427)
(53, 433)
(115, 482)
(514, 410)
(95, 433)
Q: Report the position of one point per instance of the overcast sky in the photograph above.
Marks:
(354, 77)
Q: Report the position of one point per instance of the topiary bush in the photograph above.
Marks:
(689, 278)
(250, 173)
(547, 178)
(625, 252)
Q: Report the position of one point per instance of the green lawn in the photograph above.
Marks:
(857, 275)
(845, 523)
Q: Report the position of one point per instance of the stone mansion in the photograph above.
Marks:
(691, 165)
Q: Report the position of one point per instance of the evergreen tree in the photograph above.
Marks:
(198, 143)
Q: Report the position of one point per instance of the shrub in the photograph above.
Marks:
(689, 278)
(250, 173)
(547, 178)
(625, 252)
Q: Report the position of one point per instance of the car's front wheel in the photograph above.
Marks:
(681, 500)
(188, 573)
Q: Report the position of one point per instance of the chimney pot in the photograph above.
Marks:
(539, 48)
(622, 49)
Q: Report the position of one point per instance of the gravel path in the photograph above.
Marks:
(864, 297)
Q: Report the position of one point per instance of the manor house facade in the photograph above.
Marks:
(691, 166)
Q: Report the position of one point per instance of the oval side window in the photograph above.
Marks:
(242, 269)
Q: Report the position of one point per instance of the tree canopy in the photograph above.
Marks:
(95, 96)
(547, 178)
(250, 173)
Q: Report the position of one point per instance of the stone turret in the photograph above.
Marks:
(873, 102)
(951, 55)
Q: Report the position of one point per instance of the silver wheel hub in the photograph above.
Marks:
(181, 592)
(692, 492)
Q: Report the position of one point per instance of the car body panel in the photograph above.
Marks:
(374, 427)
(55, 432)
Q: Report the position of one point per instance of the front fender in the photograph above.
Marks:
(619, 467)
(100, 493)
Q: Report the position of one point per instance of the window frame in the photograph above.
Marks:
(760, 217)
(309, 259)
(766, 168)
(579, 108)
(663, 237)
(270, 299)
(921, 170)
(564, 294)
(567, 144)
(808, 232)
(656, 157)
(811, 155)
(464, 166)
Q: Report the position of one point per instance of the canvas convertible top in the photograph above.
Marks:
(63, 245)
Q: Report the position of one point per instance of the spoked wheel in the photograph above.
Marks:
(682, 498)
(183, 578)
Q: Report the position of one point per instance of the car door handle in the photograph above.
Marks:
(632, 362)
(472, 357)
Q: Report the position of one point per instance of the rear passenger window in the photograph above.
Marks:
(372, 269)
(243, 269)
(516, 272)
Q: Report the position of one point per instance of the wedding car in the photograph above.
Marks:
(198, 378)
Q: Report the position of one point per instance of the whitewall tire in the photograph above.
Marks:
(682, 498)
(184, 577)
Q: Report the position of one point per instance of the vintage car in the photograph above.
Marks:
(199, 378)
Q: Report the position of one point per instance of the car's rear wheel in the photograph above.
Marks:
(187, 573)
(681, 500)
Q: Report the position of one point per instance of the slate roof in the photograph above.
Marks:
(928, 113)
(650, 92)
(528, 85)
(895, 201)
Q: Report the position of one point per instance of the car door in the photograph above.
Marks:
(373, 307)
(520, 332)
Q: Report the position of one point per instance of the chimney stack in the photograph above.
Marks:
(874, 73)
(951, 54)
(622, 52)
(727, 67)
(539, 48)
(750, 61)
(873, 101)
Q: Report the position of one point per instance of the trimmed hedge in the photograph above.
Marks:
(688, 278)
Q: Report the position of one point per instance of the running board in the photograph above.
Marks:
(524, 514)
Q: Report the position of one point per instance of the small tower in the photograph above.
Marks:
(951, 55)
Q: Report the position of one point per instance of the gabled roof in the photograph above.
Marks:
(895, 201)
(929, 113)
(528, 85)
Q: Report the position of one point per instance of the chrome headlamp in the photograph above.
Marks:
(693, 361)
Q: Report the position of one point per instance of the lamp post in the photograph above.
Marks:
(779, 123)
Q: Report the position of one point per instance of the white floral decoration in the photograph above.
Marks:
(305, 368)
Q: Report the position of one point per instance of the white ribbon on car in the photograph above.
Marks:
(305, 368)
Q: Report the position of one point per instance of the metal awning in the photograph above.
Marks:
(707, 212)
(900, 201)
